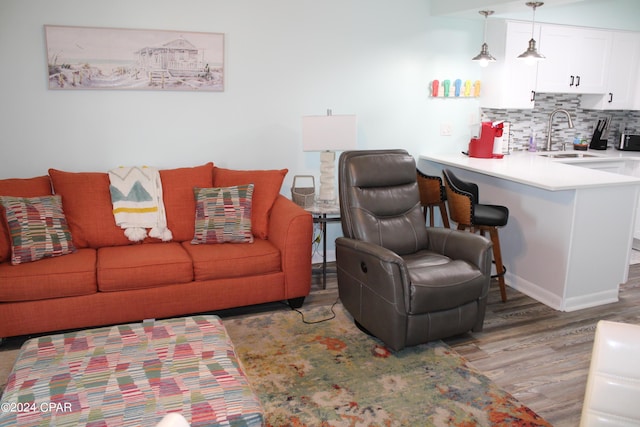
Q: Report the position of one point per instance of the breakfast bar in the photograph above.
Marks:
(570, 231)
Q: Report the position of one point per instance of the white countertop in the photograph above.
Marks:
(553, 174)
(612, 152)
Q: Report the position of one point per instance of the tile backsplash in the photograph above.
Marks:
(524, 122)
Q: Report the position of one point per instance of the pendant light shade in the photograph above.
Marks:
(531, 54)
(484, 57)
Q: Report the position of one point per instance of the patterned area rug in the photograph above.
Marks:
(332, 374)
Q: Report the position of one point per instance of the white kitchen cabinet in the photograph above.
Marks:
(577, 59)
(630, 167)
(622, 75)
(623, 166)
(636, 99)
(509, 82)
(633, 169)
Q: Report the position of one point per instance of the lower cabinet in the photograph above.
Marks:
(633, 168)
(624, 167)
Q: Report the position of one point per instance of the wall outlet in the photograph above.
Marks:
(445, 129)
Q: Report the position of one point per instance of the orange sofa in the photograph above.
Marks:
(109, 279)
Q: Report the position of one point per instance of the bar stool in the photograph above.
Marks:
(462, 198)
(432, 194)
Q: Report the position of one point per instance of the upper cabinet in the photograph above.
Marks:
(622, 76)
(509, 82)
(577, 59)
(602, 65)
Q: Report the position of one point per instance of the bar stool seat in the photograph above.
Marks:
(491, 215)
(462, 198)
(432, 195)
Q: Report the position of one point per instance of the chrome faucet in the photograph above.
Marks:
(553, 113)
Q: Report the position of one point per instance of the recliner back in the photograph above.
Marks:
(380, 199)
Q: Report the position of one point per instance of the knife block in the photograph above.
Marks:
(597, 143)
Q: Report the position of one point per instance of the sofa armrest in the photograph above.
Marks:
(291, 231)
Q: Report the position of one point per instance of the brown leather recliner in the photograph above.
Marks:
(403, 282)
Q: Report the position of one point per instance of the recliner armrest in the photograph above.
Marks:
(382, 270)
(456, 244)
(382, 253)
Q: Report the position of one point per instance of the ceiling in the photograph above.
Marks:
(465, 8)
(620, 14)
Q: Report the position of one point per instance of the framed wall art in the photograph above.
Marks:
(114, 58)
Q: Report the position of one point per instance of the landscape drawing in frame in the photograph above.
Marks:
(114, 58)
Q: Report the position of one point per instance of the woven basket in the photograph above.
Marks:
(303, 196)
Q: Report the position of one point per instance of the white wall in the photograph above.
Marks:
(284, 59)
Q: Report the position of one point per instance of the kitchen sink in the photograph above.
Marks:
(564, 155)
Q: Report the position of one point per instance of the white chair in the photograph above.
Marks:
(612, 396)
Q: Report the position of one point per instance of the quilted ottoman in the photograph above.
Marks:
(131, 375)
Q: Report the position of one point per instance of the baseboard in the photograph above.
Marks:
(554, 301)
(534, 291)
(591, 300)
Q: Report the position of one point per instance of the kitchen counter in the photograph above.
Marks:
(549, 173)
(612, 152)
(570, 231)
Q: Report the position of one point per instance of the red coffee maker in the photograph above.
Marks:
(483, 147)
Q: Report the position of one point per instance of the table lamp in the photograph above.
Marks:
(328, 134)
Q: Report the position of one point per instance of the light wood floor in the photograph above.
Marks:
(540, 355)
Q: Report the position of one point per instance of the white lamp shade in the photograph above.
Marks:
(329, 133)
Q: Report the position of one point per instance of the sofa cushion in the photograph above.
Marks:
(229, 260)
(142, 266)
(86, 201)
(177, 194)
(37, 228)
(70, 275)
(223, 214)
(267, 184)
(19, 187)
(87, 204)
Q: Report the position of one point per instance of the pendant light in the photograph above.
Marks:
(531, 55)
(484, 57)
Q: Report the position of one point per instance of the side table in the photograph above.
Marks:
(324, 213)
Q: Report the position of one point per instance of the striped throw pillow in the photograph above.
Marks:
(37, 228)
(223, 215)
